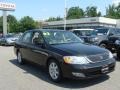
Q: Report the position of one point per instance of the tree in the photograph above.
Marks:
(38, 24)
(92, 12)
(54, 19)
(111, 11)
(59, 18)
(1, 24)
(12, 24)
(99, 14)
(75, 13)
(118, 11)
(26, 23)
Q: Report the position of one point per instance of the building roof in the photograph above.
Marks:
(83, 29)
(84, 21)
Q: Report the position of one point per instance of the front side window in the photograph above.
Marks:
(37, 38)
(60, 37)
(102, 31)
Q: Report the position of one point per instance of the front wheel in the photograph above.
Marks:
(54, 71)
(102, 45)
(19, 58)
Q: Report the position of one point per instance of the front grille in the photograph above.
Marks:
(99, 57)
(99, 72)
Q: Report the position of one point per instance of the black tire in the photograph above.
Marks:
(103, 45)
(54, 72)
(19, 58)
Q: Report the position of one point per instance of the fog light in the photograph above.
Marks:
(78, 74)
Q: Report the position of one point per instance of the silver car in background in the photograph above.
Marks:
(9, 39)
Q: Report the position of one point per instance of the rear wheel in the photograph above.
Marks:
(54, 71)
(19, 58)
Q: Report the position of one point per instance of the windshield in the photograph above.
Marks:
(9, 36)
(60, 37)
(84, 32)
(102, 31)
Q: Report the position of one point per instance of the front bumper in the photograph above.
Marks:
(88, 71)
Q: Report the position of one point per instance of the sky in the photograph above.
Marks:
(43, 9)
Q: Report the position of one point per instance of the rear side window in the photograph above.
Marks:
(27, 37)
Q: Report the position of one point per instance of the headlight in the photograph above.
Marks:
(95, 39)
(76, 60)
(8, 40)
(117, 42)
(110, 55)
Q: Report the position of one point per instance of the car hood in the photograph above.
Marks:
(116, 36)
(79, 49)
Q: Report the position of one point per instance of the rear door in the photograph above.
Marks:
(26, 46)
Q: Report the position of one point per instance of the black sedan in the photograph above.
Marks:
(64, 54)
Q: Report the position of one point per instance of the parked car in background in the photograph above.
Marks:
(110, 39)
(8, 39)
(19, 34)
(87, 35)
(63, 54)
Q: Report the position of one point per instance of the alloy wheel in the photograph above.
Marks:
(102, 45)
(54, 71)
(19, 58)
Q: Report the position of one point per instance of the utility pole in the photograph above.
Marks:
(4, 22)
(65, 15)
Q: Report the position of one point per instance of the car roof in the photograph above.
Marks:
(82, 29)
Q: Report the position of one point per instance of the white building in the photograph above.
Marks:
(93, 22)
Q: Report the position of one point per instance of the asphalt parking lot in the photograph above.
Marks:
(28, 77)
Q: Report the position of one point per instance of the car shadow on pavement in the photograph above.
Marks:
(66, 83)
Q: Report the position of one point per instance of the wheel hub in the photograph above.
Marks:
(53, 70)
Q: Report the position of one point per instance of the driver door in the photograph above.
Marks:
(39, 53)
